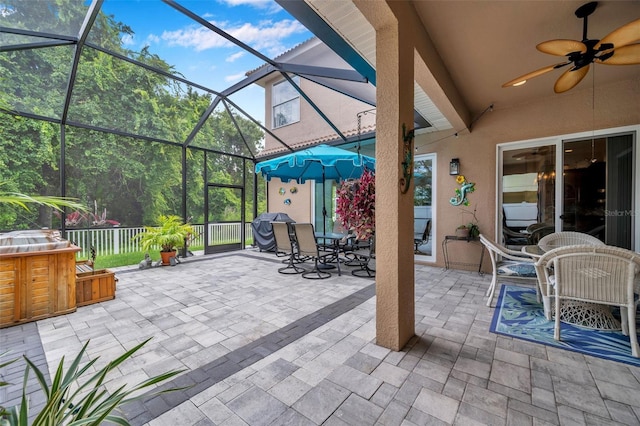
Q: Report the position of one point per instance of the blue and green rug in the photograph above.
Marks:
(518, 314)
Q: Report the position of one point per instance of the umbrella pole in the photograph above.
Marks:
(324, 264)
(324, 207)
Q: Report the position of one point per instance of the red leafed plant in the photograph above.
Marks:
(356, 205)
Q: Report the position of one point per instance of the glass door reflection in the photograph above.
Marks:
(528, 194)
(423, 205)
(598, 188)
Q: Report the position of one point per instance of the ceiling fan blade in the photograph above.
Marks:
(570, 78)
(625, 55)
(535, 73)
(561, 47)
(622, 36)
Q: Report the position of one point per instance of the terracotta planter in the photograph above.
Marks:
(462, 232)
(165, 256)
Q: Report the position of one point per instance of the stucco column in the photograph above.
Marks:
(395, 306)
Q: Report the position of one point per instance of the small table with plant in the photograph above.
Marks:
(467, 232)
(471, 240)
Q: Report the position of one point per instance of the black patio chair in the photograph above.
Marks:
(286, 246)
(364, 260)
(423, 238)
(307, 246)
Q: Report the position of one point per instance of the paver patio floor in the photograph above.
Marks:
(263, 348)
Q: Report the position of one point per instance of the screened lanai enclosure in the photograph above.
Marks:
(123, 130)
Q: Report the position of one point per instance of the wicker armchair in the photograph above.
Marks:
(551, 242)
(567, 238)
(601, 274)
(508, 264)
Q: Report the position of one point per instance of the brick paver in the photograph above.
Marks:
(262, 348)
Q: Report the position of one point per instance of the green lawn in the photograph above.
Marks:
(131, 259)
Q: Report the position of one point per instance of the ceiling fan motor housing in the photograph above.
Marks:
(583, 59)
(620, 47)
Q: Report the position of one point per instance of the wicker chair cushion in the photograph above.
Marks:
(516, 269)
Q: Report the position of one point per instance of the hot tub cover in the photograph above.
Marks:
(263, 231)
(32, 240)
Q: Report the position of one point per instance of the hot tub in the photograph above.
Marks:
(37, 276)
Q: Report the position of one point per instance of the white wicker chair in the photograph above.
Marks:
(567, 238)
(553, 241)
(508, 264)
(601, 275)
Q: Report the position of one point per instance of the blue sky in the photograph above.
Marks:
(201, 55)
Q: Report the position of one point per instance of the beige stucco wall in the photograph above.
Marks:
(300, 207)
(341, 110)
(616, 106)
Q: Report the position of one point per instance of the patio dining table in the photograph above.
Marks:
(334, 238)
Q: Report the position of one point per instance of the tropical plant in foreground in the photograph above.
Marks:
(23, 200)
(73, 400)
(3, 410)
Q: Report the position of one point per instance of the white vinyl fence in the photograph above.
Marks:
(120, 240)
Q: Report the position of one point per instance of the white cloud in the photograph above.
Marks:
(234, 57)
(268, 5)
(265, 36)
(6, 11)
(127, 39)
(152, 39)
(234, 77)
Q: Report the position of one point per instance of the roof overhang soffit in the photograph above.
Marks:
(430, 72)
(310, 19)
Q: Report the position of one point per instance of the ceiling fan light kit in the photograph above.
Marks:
(616, 48)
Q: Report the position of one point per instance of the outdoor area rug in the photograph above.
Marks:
(518, 314)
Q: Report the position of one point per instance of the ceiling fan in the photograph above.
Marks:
(616, 48)
(532, 154)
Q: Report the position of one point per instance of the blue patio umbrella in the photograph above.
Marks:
(318, 163)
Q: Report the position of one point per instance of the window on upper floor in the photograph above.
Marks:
(286, 103)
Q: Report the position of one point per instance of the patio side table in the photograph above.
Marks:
(469, 240)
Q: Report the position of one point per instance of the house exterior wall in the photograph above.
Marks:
(556, 115)
(301, 200)
(616, 105)
(340, 109)
(310, 130)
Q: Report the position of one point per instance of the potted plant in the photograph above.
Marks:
(462, 231)
(170, 235)
(470, 229)
(356, 201)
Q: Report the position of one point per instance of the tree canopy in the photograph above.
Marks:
(134, 169)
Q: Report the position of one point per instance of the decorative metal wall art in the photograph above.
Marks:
(407, 159)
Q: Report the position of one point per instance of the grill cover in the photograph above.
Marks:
(263, 231)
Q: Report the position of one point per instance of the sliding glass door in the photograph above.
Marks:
(528, 193)
(598, 188)
(424, 206)
(591, 192)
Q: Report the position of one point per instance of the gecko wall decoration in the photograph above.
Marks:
(407, 156)
(466, 187)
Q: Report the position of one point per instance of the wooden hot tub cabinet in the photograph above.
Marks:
(37, 284)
